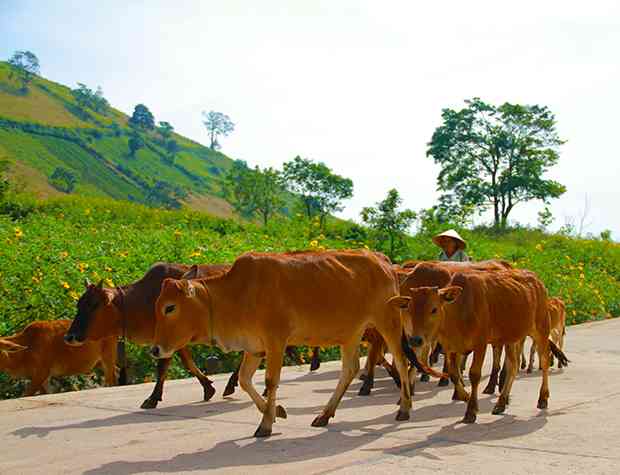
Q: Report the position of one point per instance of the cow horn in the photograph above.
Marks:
(87, 283)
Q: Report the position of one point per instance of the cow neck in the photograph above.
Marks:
(121, 308)
(211, 317)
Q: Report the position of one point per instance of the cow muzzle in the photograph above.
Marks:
(73, 340)
(416, 341)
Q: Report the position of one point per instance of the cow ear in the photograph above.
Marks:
(187, 287)
(450, 294)
(108, 296)
(10, 347)
(399, 301)
(191, 274)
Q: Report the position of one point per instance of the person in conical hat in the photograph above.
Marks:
(452, 246)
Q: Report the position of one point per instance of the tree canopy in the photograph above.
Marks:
(321, 191)
(217, 124)
(495, 157)
(142, 118)
(389, 225)
(25, 66)
(86, 98)
(255, 192)
(135, 143)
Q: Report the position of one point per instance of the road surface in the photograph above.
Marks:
(103, 431)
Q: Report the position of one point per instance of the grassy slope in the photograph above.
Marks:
(95, 159)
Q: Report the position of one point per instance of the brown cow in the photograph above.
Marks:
(129, 310)
(557, 317)
(268, 301)
(476, 309)
(46, 354)
(433, 273)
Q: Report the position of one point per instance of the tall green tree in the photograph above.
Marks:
(321, 191)
(217, 124)
(389, 224)
(142, 118)
(135, 143)
(165, 129)
(256, 192)
(86, 98)
(495, 157)
(25, 66)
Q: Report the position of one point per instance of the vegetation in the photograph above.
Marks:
(142, 118)
(321, 191)
(43, 266)
(63, 180)
(495, 157)
(86, 98)
(217, 124)
(25, 66)
(389, 225)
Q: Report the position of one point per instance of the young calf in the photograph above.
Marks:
(39, 351)
(557, 319)
(476, 309)
(268, 301)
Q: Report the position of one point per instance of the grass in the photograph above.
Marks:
(43, 265)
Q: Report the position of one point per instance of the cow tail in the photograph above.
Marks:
(413, 359)
(559, 354)
(122, 357)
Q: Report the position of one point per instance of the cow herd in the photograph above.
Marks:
(263, 304)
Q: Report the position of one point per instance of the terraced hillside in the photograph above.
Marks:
(44, 129)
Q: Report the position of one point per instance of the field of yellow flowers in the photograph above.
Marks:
(46, 256)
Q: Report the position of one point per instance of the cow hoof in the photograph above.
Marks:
(469, 419)
(542, 404)
(209, 391)
(265, 393)
(498, 409)
(365, 389)
(489, 389)
(149, 404)
(460, 397)
(320, 421)
(425, 378)
(261, 432)
(314, 365)
(281, 412)
(363, 377)
(402, 416)
(228, 390)
(443, 382)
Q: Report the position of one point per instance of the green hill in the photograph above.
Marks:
(45, 129)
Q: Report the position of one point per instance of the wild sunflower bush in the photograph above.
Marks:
(47, 253)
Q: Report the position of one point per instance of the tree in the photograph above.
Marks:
(135, 143)
(86, 98)
(320, 190)
(63, 179)
(255, 192)
(142, 118)
(495, 157)
(389, 225)
(25, 66)
(165, 130)
(217, 124)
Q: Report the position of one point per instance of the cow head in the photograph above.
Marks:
(179, 316)
(7, 346)
(97, 316)
(425, 310)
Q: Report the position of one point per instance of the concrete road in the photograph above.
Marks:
(103, 431)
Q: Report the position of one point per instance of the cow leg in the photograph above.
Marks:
(455, 375)
(425, 356)
(38, 383)
(158, 390)
(522, 354)
(561, 346)
(475, 372)
(188, 362)
(233, 381)
(543, 354)
(315, 362)
(374, 354)
(434, 358)
(444, 381)
(493, 379)
(350, 367)
(394, 341)
(511, 363)
(274, 361)
(392, 371)
(108, 362)
(530, 366)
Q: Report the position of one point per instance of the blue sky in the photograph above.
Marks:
(356, 84)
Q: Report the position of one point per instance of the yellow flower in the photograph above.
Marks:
(177, 234)
(109, 282)
(66, 285)
(108, 269)
(74, 295)
(18, 233)
(539, 247)
(366, 247)
(64, 254)
(195, 254)
(87, 211)
(314, 243)
(36, 279)
(82, 267)
(123, 253)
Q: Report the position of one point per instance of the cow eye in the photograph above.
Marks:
(169, 309)
(434, 311)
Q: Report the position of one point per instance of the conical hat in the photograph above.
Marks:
(450, 233)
